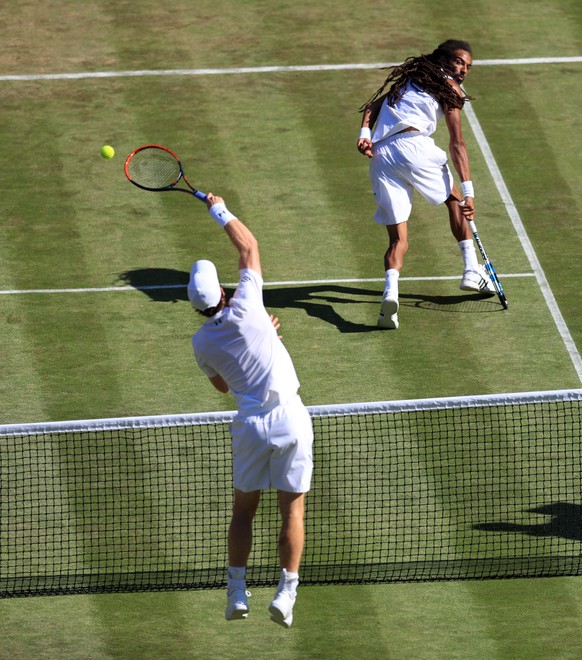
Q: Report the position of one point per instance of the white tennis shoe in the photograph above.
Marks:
(281, 608)
(477, 280)
(389, 311)
(388, 322)
(237, 605)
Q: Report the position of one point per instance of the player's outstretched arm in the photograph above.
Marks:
(459, 155)
(240, 235)
(371, 112)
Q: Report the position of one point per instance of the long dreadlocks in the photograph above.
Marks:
(425, 73)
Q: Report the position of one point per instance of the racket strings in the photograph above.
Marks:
(153, 168)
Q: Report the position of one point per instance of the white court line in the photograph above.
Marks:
(524, 239)
(152, 287)
(480, 136)
(261, 69)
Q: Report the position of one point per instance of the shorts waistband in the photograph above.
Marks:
(413, 132)
(249, 409)
(402, 134)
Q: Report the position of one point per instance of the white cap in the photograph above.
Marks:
(204, 288)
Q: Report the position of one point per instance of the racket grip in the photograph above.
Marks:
(200, 195)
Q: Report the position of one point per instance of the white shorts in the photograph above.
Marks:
(404, 163)
(273, 450)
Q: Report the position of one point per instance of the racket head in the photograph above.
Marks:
(153, 167)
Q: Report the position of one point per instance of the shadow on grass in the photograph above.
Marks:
(565, 522)
(462, 303)
(160, 284)
(317, 300)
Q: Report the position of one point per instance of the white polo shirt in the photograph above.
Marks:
(416, 108)
(241, 344)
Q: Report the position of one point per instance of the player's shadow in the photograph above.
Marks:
(318, 301)
(159, 284)
(565, 522)
(462, 303)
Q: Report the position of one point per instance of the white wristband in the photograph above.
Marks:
(221, 214)
(467, 189)
(365, 133)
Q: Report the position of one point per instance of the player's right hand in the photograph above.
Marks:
(365, 147)
(212, 199)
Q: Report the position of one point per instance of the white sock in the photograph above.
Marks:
(392, 276)
(237, 577)
(289, 581)
(469, 254)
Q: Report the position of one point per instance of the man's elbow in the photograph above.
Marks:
(457, 146)
(220, 384)
(254, 245)
(249, 252)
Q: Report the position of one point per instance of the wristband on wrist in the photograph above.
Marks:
(365, 133)
(467, 189)
(220, 214)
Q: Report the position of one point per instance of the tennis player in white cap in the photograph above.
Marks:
(240, 351)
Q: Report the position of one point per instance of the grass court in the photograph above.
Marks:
(259, 98)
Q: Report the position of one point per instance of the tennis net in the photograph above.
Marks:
(443, 489)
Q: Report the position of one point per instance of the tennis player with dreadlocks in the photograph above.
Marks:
(405, 158)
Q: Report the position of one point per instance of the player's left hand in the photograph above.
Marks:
(276, 323)
(467, 208)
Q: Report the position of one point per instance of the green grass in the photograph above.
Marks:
(280, 148)
(522, 619)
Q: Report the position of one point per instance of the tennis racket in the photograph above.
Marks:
(157, 168)
(489, 267)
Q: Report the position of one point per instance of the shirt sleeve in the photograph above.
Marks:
(250, 287)
(206, 368)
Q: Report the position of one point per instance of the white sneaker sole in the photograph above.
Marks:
(389, 307)
(279, 617)
(388, 318)
(237, 613)
(239, 609)
(390, 323)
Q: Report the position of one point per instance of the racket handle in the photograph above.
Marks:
(200, 195)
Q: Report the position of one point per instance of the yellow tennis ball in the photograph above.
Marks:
(107, 151)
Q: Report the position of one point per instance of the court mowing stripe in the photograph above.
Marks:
(151, 287)
(524, 239)
(263, 69)
(491, 163)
